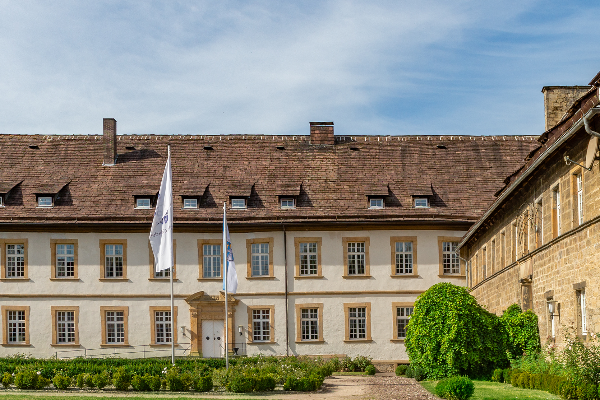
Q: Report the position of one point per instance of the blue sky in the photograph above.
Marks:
(269, 67)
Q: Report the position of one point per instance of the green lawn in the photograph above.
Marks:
(35, 396)
(498, 391)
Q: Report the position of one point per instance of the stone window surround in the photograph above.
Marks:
(366, 240)
(54, 310)
(3, 243)
(249, 243)
(250, 330)
(153, 310)
(347, 307)
(201, 243)
(395, 306)
(319, 242)
(5, 310)
(53, 244)
(413, 240)
(151, 264)
(125, 310)
(299, 308)
(442, 239)
(103, 243)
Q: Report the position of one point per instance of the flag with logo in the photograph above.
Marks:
(161, 234)
(230, 273)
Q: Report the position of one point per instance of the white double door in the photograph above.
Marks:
(213, 338)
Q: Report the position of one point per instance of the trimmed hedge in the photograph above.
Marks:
(401, 369)
(455, 388)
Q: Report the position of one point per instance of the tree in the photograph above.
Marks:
(450, 334)
(522, 329)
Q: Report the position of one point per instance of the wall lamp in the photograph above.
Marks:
(241, 329)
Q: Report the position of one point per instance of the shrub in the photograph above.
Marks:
(153, 382)
(42, 382)
(445, 321)
(7, 379)
(304, 384)
(455, 388)
(177, 381)
(587, 391)
(139, 384)
(409, 372)
(205, 384)
(506, 372)
(568, 390)
(498, 375)
(361, 363)
(419, 373)
(27, 379)
(401, 369)
(370, 370)
(89, 380)
(241, 384)
(265, 383)
(121, 379)
(220, 377)
(80, 381)
(61, 381)
(101, 380)
(522, 330)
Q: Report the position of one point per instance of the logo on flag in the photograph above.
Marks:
(161, 234)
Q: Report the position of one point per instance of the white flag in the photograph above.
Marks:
(230, 273)
(161, 234)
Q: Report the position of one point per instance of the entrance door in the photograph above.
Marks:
(212, 338)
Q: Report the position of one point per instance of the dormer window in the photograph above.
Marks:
(45, 201)
(376, 202)
(287, 203)
(238, 203)
(421, 202)
(190, 203)
(1, 201)
(142, 202)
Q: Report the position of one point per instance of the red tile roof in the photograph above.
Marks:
(331, 182)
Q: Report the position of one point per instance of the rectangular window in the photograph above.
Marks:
(579, 184)
(309, 320)
(65, 261)
(115, 327)
(421, 202)
(162, 327)
(142, 202)
(113, 261)
(211, 261)
(44, 201)
(261, 325)
(308, 259)
(581, 312)
(515, 241)
(16, 327)
(357, 322)
(164, 273)
(483, 262)
(190, 203)
(356, 258)
(502, 249)
(260, 259)
(376, 203)
(556, 222)
(65, 327)
(539, 224)
(15, 261)
(288, 203)
(450, 260)
(402, 317)
(1, 200)
(404, 258)
(238, 203)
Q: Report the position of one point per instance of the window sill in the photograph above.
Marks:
(357, 276)
(14, 279)
(261, 277)
(66, 279)
(397, 340)
(153, 279)
(358, 340)
(401, 276)
(114, 280)
(163, 345)
(308, 277)
(210, 279)
(453, 276)
(310, 341)
(269, 342)
(65, 345)
(108, 345)
(16, 345)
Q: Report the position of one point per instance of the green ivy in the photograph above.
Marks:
(450, 334)
(522, 329)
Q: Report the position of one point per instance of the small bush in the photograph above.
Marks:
(455, 388)
(587, 391)
(568, 390)
(204, 384)
(61, 381)
(153, 382)
(42, 382)
(121, 379)
(7, 379)
(303, 384)
(498, 375)
(241, 384)
(370, 370)
(506, 372)
(419, 373)
(409, 372)
(26, 379)
(220, 377)
(80, 381)
(401, 369)
(101, 380)
(89, 381)
(361, 363)
(265, 383)
(139, 384)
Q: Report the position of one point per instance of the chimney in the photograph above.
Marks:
(558, 100)
(321, 133)
(109, 140)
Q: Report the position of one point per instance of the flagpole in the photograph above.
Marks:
(173, 327)
(226, 266)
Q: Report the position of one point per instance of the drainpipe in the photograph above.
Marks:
(586, 121)
(287, 335)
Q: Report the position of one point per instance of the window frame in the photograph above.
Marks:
(188, 207)
(103, 243)
(138, 199)
(417, 199)
(299, 308)
(556, 217)
(153, 310)
(1, 200)
(345, 242)
(403, 239)
(250, 329)
(395, 306)
(286, 199)
(539, 223)
(104, 330)
(57, 309)
(54, 259)
(376, 206)
(249, 243)
(297, 242)
(152, 276)
(201, 243)
(3, 261)
(578, 200)
(461, 268)
(5, 327)
(238, 207)
(367, 307)
(40, 199)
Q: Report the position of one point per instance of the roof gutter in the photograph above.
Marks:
(583, 122)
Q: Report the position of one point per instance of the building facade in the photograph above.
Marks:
(537, 245)
(334, 237)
